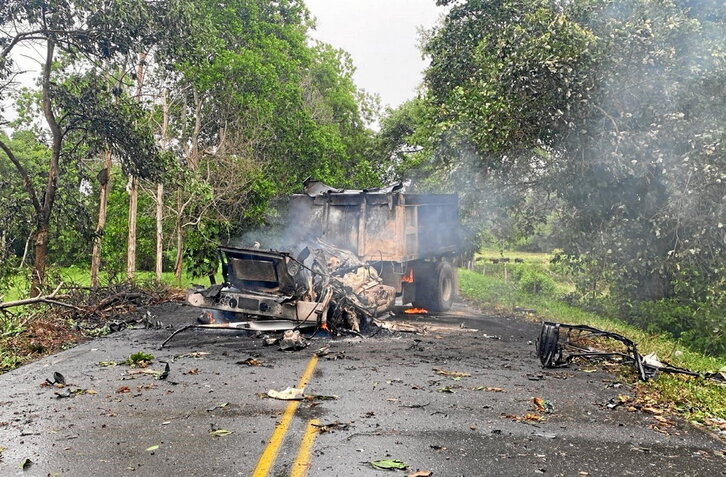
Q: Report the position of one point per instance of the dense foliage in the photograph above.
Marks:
(217, 109)
(604, 120)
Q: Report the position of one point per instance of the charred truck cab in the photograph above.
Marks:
(351, 253)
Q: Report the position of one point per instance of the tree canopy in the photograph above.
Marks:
(604, 119)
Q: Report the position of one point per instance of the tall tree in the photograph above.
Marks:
(617, 109)
(70, 31)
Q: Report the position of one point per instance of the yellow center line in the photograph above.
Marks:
(302, 461)
(267, 459)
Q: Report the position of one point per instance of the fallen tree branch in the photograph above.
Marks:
(48, 299)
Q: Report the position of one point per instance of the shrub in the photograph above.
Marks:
(534, 282)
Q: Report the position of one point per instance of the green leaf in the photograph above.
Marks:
(388, 464)
(152, 448)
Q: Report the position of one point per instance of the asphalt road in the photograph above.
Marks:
(391, 404)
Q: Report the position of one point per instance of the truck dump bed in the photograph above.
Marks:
(381, 224)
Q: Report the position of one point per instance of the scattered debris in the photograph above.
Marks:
(251, 362)
(452, 374)
(26, 464)
(292, 341)
(415, 406)
(401, 327)
(66, 393)
(543, 405)
(416, 346)
(421, 473)
(270, 340)
(488, 388)
(59, 378)
(219, 432)
(448, 389)
(528, 417)
(165, 373)
(221, 405)
(140, 359)
(152, 449)
(320, 397)
(556, 349)
(288, 394)
(332, 427)
(388, 464)
(195, 355)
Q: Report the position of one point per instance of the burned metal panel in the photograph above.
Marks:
(437, 223)
(383, 233)
(382, 227)
(254, 270)
(341, 226)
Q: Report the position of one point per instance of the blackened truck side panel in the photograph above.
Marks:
(383, 227)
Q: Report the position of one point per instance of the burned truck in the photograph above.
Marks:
(348, 255)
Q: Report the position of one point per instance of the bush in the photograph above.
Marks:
(535, 282)
(699, 327)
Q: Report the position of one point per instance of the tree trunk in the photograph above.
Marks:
(134, 189)
(41, 255)
(159, 230)
(104, 177)
(179, 239)
(43, 214)
(133, 207)
(160, 191)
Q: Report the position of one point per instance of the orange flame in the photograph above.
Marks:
(416, 311)
(324, 326)
(408, 277)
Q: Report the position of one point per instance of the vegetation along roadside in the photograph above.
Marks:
(537, 285)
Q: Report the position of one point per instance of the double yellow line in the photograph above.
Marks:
(302, 461)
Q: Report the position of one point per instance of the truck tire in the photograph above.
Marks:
(436, 288)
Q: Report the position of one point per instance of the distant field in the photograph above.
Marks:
(485, 255)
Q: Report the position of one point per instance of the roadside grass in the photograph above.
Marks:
(695, 398)
(73, 275)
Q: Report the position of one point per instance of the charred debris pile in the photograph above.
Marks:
(323, 286)
(346, 256)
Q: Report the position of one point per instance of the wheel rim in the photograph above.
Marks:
(446, 288)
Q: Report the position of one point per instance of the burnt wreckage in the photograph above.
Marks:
(350, 254)
(559, 344)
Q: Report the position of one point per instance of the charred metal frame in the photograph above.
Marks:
(556, 349)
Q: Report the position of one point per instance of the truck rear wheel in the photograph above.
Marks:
(435, 287)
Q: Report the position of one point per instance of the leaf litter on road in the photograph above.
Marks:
(388, 464)
(220, 432)
(451, 374)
